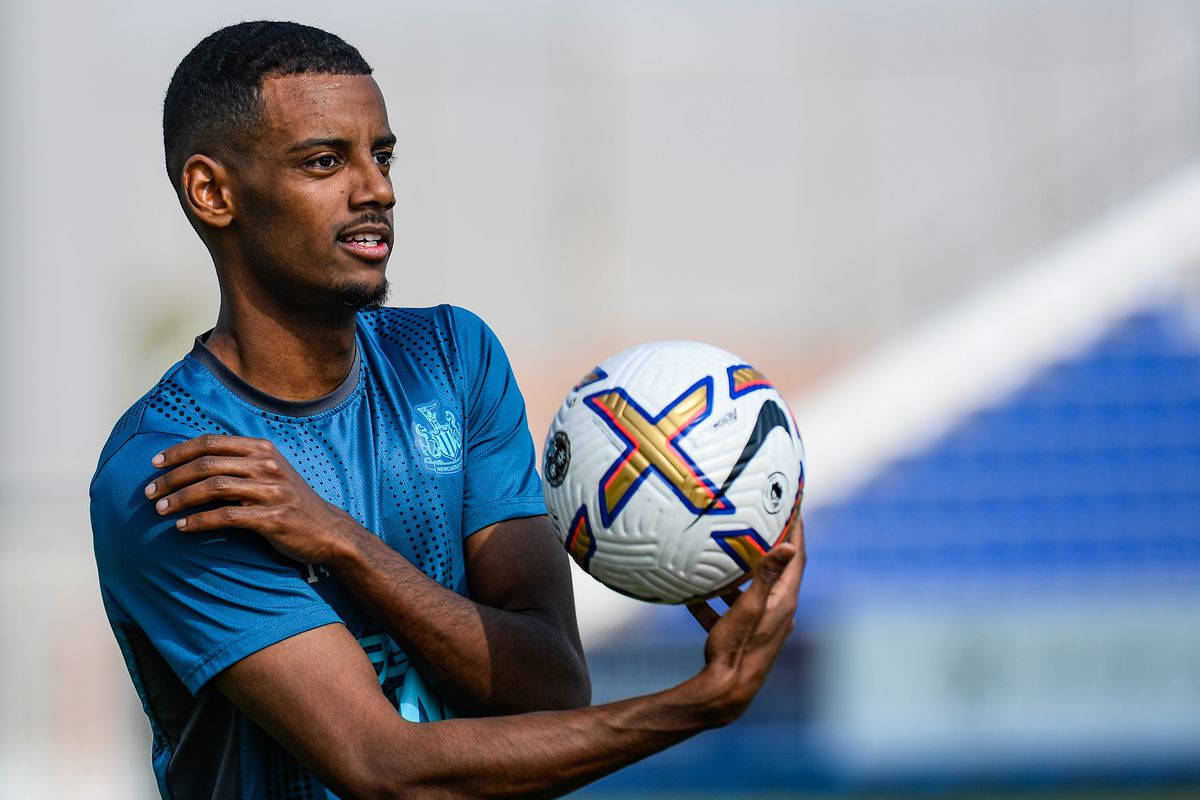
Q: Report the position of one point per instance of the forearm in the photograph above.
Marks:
(544, 754)
(480, 658)
(317, 694)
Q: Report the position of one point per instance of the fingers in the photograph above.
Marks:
(247, 517)
(771, 568)
(801, 559)
(749, 606)
(794, 569)
(775, 581)
(212, 444)
(786, 558)
(213, 468)
(797, 537)
(773, 589)
(782, 577)
(221, 487)
(704, 614)
(198, 469)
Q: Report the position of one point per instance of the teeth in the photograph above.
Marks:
(366, 238)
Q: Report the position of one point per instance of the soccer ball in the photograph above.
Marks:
(670, 469)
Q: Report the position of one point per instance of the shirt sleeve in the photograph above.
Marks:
(500, 480)
(205, 600)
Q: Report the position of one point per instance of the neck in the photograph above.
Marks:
(290, 355)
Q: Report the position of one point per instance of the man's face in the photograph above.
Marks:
(314, 200)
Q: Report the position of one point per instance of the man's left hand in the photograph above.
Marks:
(260, 491)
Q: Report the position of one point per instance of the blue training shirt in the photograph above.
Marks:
(424, 443)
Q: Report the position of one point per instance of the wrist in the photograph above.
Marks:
(344, 546)
(707, 698)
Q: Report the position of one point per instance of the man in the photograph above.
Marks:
(293, 577)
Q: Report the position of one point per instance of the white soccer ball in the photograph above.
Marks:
(670, 469)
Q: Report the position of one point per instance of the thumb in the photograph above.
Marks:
(766, 574)
(774, 562)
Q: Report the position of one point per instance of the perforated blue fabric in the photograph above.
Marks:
(425, 443)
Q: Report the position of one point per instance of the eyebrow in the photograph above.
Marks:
(339, 144)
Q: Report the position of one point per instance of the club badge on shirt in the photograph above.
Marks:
(439, 439)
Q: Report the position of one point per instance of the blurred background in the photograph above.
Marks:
(963, 239)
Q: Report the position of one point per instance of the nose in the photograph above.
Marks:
(373, 188)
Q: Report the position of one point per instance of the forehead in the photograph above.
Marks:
(311, 105)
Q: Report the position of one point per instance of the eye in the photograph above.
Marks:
(384, 158)
(326, 161)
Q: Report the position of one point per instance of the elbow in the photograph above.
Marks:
(381, 784)
(406, 785)
(394, 790)
(389, 781)
(376, 771)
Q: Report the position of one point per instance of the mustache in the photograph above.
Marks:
(369, 218)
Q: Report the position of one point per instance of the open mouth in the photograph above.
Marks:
(371, 246)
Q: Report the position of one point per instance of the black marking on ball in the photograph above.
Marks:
(770, 417)
(558, 459)
(773, 492)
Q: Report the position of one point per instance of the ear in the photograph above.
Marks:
(206, 191)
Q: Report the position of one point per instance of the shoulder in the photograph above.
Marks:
(117, 487)
(414, 325)
(454, 337)
(165, 414)
(127, 535)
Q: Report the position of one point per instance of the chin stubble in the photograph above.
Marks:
(363, 298)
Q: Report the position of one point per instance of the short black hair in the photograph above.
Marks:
(215, 95)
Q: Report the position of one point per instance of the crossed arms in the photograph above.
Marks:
(516, 649)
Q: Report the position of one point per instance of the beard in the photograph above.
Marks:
(364, 298)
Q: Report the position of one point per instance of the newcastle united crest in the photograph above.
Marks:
(438, 438)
